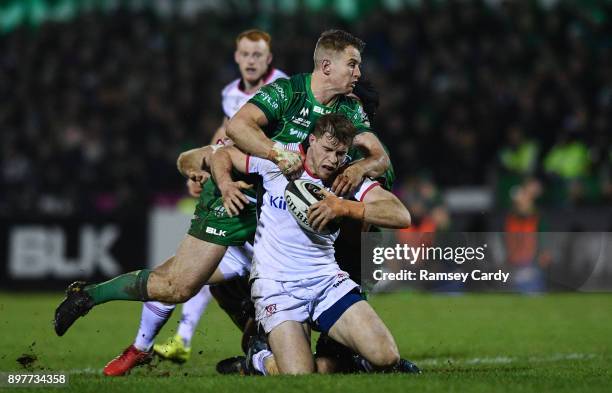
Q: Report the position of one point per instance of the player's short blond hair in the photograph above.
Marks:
(335, 41)
(255, 35)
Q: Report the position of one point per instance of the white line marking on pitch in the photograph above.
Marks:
(438, 361)
(506, 359)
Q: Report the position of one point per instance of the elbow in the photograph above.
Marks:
(385, 162)
(406, 220)
(401, 219)
(402, 216)
(180, 162)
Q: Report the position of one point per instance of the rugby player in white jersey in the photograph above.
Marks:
(296, 282)
(254, 57)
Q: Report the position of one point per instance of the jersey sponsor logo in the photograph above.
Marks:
(298, 134)
(215, 231)
(270, 309)
(279, 90)
(278, 202)
(300, 121)
(304, 112)
(265, 97)
(320, 110)
(219, 211)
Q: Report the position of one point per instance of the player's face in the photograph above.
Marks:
(345, 71)
(253, 59)
(327, 154)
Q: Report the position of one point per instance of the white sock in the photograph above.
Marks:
(154, 316)
(259, 361)
(192, 311)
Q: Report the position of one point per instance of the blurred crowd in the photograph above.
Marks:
(94, 111)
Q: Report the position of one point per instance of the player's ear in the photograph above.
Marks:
(270, 57)
(311, 139)
(236, 56)
(326, 66)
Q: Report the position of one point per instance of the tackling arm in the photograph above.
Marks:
(373, 165)
(377, 160)
(195, 164)
(245, 129)
(223, 161)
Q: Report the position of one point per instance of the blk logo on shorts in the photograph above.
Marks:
(270, 309)
(215, 231)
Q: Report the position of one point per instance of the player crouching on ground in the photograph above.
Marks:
(297, 283)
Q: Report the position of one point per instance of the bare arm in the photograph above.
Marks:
(194, 164)
(379, 207)
(383, 209)
(373, 165)
(245, 129)
(223, 161)
(377, 160)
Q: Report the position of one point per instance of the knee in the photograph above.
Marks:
(386, 356)
(325, 365)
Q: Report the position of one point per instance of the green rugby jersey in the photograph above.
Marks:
(292, 112)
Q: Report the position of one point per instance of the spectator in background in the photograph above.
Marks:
(524, 249)
(567, 164)
(519, 156)
(517, 159)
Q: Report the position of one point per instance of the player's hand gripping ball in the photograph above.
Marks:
(300, 195)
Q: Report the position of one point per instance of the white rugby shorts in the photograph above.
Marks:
(237, 261)
(300, 301)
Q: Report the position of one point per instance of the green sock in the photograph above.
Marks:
(128, 286)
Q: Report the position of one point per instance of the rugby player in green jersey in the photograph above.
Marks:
(286, 111)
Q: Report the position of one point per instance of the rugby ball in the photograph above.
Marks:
(299, 195)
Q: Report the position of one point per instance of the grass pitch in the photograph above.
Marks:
(476, 343)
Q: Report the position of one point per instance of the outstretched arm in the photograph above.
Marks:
(195, 162)
(194, 165)
(223, 161)
(379, 207)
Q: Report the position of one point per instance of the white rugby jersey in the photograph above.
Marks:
(283, 250)
(233, 98)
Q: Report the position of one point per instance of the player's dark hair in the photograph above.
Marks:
(369, 97)
(338, 126)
